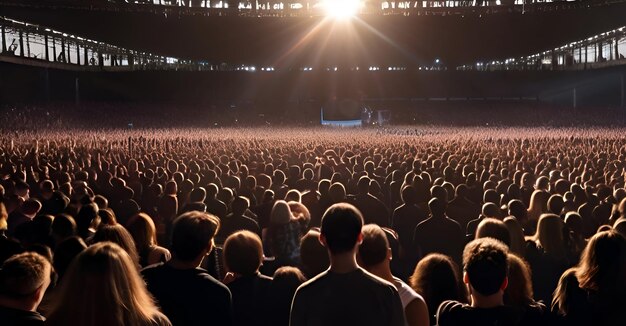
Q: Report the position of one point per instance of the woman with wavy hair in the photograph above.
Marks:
(282, 237)
(102, 287)
(592, 293)
(436, 278)
(142, 229)
(547, 254)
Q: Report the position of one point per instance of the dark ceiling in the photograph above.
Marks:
(301, 41)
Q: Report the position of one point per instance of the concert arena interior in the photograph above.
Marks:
(312, 162)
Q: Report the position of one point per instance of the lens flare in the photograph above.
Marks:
(342, 9)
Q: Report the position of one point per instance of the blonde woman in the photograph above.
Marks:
(538, 205)
(143, 231)
(102, 287)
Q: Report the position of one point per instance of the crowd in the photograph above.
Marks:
(313, 226)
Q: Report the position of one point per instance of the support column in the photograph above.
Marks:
(86, 57)
(616, 48)
(54, 50)
(77, 54)
(63, 50)
(69, 57)
(21, 44)
(47, 52)
(4, 40)
(27, 46)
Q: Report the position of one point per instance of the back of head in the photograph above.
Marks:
(516, 234)
(549, 234)
(341, 227)
(118, 235)
(240, 205)
(518, 209)
(602, 267)
(142, 229)
(490, 210)
(192, 234)
(437, 207)
(281, 213)
(286, 280)
(116, 292)
(337, 192)
(436, 278)
(22, 275)
(574, 223)
(495, 229)
(65, 252)
(619, 226)
(556, 204)
(63, 226)
(314, 256)
(485, 262)
(363, 184)
(409, 195)
(197, 195)
(243, 253)
(211, 190)
(440, 193)
(374, 247)
(293, 195)
(461, 191)
(519, 291)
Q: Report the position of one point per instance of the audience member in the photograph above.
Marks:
(243, 256)
(103, 287)
(24, 279)
(345, 293)
(374, 255)
(187, 294)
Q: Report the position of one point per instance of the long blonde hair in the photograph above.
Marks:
(538, 204)
(103, 287)
(549, 235)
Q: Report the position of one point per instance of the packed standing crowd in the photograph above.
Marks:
(313, 226)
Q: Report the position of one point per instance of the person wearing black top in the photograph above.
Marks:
(485, 265)
(187, 293)
(236, 221)
(345, 294)
(243, 255)
(24, 279)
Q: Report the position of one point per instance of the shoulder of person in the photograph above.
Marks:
(451, 312)
(319, 277)
(152, 269)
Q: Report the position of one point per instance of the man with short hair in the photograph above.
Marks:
(345, 294)
(439, 233)
(237, 220)
(485, 266)
(187, 293)
(24, 279)
(375, 256)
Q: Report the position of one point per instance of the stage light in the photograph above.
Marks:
(342, 9)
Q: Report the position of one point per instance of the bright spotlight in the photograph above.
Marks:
(342, 9)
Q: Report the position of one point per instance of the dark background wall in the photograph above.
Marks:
(25, 84)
